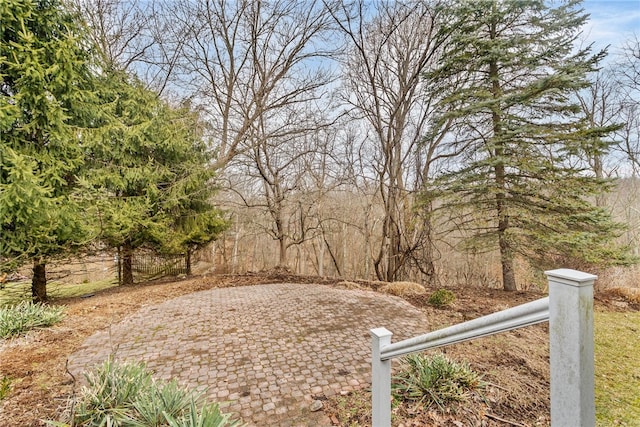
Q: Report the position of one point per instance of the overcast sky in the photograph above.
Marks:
(612, 22)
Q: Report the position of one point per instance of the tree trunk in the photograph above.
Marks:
(234, 253)
(429, 267)
(321, 256)
(384, 258)
(598, 168)
(254, 255)
(119, 265)
(282, 262)
(127, 264)
(367, 245)
(506, 252)
(344, 249)
(188, 261)
(506, 258)
(280, 231)
(39, 281)
(302, 265)
(393, 260)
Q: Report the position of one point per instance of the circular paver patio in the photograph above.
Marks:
(265, 352)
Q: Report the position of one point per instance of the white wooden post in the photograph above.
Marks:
(380, 379)
(571, 348)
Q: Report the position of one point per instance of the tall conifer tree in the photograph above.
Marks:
(151, 169)
(518, 185)
(43, 94)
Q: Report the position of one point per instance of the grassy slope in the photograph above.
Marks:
(617, 348)
(13, 293)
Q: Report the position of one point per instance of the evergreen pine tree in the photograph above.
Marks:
(149, 168)
(519, 184)
(43, 93)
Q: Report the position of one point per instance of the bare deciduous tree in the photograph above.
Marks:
(119, 30)
(249, 65)
(256, 73)
(627, 74)
(384, 85)
(601, 108)
(131, 35)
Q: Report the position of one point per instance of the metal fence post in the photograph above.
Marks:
(571, 348)
(380, 379)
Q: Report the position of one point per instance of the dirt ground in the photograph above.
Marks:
(515, 364)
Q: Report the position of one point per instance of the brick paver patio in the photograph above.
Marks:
(265, 352)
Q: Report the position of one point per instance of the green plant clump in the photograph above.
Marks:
(5, 387)
(441, 298)
(435, 380)
(125, 394)
(18, 319)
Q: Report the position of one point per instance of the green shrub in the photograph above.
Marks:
(111, 394)
(435, 380)
(5, 387)
(125, 394)
(207, 416)
(18, 319)
(441, 298)
(162, 402)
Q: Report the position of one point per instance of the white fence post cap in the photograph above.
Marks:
(572, 277)
(380, 332)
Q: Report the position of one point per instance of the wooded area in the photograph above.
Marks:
(475, 142)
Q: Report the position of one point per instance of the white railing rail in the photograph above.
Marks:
(569, 310)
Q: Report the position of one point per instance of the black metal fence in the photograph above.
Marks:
(146, 265)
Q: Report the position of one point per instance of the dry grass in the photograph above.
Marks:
(630, 295)
(345, 284)
(403, 289)
(618, 277)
